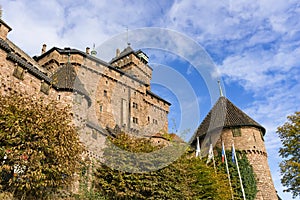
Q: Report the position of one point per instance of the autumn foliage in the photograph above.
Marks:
(39, 147)
(289, 134)
(185, 178)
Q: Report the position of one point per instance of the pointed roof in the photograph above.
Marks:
(224, 114)
(66, 79)
(128, 50)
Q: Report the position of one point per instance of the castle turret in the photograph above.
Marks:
(134, 63)
(227, 123)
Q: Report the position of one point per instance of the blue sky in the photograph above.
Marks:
(254, 47)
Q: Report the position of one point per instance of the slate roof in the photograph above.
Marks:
(66, 79)
(157, 97)
(128, 50)
(31, 69)
(70, 51)
(4, 45)
(224, 114)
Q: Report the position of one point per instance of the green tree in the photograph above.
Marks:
(247, 174)
(186, 178)
(289, 135)
(39, 147)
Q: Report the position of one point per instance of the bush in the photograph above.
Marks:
(40, 149)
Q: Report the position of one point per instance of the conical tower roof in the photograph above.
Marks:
(224, 114)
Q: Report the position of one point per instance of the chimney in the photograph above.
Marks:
(44, 48)
(117, 52)
(4, 29)
(87, 50)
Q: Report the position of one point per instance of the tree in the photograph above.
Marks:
(39, 147)
(247, 174)
(289, 135)
(186, 178)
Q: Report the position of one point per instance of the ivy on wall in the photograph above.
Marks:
(247, 174)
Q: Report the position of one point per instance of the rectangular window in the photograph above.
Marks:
(135, 120)
(101, 108)
(135, 105)
(45, 88)
(236, 132)
(94, 134)
(19, 72)
(105, 93)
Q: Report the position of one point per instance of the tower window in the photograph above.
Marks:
(101, 108)
(236, 132)
(105, 93)
(19, 72)
(135, 105)
(135, 120)
(45, 88)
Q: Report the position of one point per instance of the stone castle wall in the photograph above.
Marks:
(250, 141)
(118, 99)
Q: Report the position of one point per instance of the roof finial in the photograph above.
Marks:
(94, 52)
(220, 88)
(128, 43)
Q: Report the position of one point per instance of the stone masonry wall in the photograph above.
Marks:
(251, 142)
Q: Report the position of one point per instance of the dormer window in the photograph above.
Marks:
(45, 88)
(19, 72)
(236, 132)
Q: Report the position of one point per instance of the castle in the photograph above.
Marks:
(228, 124)
(104, 95)
(117, 95)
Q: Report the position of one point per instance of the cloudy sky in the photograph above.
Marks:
(254, 46)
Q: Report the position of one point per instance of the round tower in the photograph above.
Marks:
(249, 140)
(227, 123)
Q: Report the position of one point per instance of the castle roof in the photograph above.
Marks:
(127, 51)
(224, 114)
(157, 97)
(3, 23)
(66, 79)
(71, 51)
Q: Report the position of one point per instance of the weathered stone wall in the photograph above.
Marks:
(251, 142)
(131, 64)
(117, 98)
